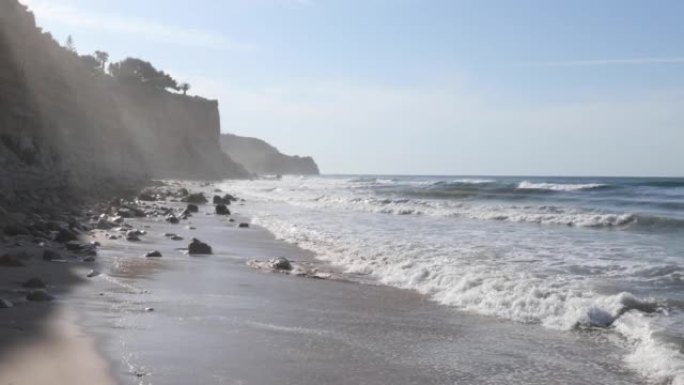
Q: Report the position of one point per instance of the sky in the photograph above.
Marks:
(439, 87)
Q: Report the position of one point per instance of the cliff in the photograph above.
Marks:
(260, 157)
(62, 125)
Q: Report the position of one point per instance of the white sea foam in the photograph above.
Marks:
(526, 185)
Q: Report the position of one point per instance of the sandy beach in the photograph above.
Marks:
(41, 341)
(213, 319)
(216, 319)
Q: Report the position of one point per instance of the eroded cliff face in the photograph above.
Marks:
(64, 126)
(260, 157)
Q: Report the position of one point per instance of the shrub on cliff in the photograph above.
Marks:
(132, 70)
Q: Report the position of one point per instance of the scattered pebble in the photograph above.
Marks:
(92, 274)
(153, 254)
(5, 304)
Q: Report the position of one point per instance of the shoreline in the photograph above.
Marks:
(247, 325)
(250, 326)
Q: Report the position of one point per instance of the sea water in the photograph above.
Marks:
(571, 254)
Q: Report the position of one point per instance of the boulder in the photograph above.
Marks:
(146, 196)
(65, 235)
(222, 209)
(153, 254)
(133, 235)
(198, 198)
(118, 219)
(15, 229)
(83, 249)
(51, 255)
(39, 296)
(92, 273)
(34, 283)
(280, 263)
(10, 261)
(229, 198)
(198, 247)
(172, 219)
(103, 224)
(192, 208)
(243, 225)
(176, 238)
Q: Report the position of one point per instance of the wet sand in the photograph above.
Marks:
(217, 321)
(42, 342)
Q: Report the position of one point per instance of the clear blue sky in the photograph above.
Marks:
(576, 87)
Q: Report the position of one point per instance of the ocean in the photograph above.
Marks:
(574, 255)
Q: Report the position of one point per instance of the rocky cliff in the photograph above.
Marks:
(64, 126)
(260, 157)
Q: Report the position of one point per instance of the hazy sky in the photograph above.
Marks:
(576, 87)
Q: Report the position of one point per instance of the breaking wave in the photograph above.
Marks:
(525, 185)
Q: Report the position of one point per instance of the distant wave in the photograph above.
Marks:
(533, 214)
(526, 185)
(463, 181)
(673, 183)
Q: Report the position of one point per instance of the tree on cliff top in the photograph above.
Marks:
(91, 63)
(69, 44)
(103, 58)
(136, 71)
(184, 87)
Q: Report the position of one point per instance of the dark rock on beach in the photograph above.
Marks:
(92, 273)
(83, 249)
(153, 254)
(198, 247)
(34, 283)
(243, 225)
(172, 219)
(15, 229)
(51, 255)
(281, 263)
(133, 235)
(192, 208)
(39, 296)
(221, 209)
(65, 235)
(198, 198)
(5, 304)
(146, 196)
